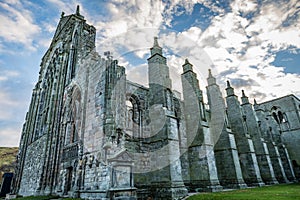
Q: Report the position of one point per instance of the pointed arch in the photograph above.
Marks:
(133, 115)
(280, 117)
(74, 55)
(73, 113)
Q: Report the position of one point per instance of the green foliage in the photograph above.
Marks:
(275, 192)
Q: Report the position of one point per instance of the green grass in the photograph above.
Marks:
(38, 197)
(45, 198)
(275, 192)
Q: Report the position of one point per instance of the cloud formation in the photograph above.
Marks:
(239, 41)
(17, 24)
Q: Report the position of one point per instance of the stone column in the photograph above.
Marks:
(243, 140)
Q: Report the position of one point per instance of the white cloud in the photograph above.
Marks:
(64, 6)
(235, 44)
(10, 136)
(13, 2)
(138, 74)
(17, 25)
(7, 105)
(244, 6)
(6, 74)
(232, 44)
(269, 24)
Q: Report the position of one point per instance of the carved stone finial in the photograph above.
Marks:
(209, 73)
(156, 49)
(228, 84)
(62, 14)
(255, 103)
(243, 93)
(187, 61)
(77, 10)
(155, 42)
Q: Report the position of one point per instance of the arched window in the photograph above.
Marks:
(280, 116)
(74, 48)
(169, 99)
(73, 116)
(129, 111)
(133, 115)
(275, 117)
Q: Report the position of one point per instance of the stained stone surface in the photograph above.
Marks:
(91, 133)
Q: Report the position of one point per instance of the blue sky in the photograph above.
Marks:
(253, 43)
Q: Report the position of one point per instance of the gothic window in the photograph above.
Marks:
(285, 121)
(275, 117)
(132, 115)
(129, 108)
(74, 48)
(169, 100)
(280, 117)
(73, 115)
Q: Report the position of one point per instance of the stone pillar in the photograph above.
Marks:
(243, 140)
(226, 154)
(202, 165)
(260, 146)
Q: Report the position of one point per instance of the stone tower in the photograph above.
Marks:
(202, 167)
(226, 154)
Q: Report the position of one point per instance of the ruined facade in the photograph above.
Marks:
(91, 133)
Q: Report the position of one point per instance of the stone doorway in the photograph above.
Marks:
(69, 177)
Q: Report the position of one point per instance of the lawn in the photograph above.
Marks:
(45, 198)
(275, 192)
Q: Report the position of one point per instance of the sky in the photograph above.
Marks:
(253, 43)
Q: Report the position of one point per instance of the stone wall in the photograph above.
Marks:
(290, 107)
(33, 168)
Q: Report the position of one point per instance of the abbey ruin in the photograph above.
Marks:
(91, 133)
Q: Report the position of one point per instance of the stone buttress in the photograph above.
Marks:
(260, 146)
(226, 154)
(203, 174)
(267, 134)
(248, 160)
(276, 131)
(165, 177)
